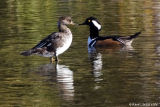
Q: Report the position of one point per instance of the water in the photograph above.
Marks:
(115, 77)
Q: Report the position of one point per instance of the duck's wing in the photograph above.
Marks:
(122, 39)
(46, 42)
(43, 44)
(125, 40)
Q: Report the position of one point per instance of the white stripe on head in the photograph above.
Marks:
(96, 24)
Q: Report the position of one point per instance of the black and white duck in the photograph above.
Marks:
(95, 40)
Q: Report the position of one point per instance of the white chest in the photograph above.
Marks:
(66, 45)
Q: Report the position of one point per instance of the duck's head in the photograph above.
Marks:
(66, 20)
(92, 22)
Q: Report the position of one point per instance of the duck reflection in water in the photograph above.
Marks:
(96, 62)
(95, 56)
(63, 76)
(157, 64)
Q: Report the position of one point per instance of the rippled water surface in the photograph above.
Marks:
(112, 77)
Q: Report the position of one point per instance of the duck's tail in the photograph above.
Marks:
(127, 40)
(27, 53)
(134, 36)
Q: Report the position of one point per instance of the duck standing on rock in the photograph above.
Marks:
(55, 43)
(94, 40)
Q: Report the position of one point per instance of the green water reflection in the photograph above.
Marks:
(102, 78)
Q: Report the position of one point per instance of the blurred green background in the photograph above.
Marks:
(107, 78)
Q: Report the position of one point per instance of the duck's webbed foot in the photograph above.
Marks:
(52, 59)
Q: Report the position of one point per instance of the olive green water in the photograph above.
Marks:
(115, 77)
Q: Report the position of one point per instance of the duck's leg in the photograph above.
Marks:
(56, 58)
(52, 60)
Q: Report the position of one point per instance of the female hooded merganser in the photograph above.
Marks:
(95, 40)
(56, 43)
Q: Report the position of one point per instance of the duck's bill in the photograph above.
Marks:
(72, 23)
(82, 23)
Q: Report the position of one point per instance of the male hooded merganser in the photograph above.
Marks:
(56, 43)
(95, 40)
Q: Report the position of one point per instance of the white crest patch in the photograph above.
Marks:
(96, 24)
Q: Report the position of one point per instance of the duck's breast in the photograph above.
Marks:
(67, 40)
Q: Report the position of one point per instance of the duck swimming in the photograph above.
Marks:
(94, 40)
(56, 43)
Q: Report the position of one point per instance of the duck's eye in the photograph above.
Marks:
(69, 20)
(89, 20)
